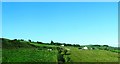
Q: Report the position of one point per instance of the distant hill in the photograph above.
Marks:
(7, 43)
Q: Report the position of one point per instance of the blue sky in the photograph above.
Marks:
(67, 22)
(60, 0)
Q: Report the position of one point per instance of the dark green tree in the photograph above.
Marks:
(29, 40)
(105, 45)
(39, 42)
(52, 42)
(21, 40)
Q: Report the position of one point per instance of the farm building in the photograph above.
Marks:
(62, 45)
(85, 48)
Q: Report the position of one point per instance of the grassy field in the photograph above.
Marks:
(34, 52)
(92, 55)
(43, 45)
(76, 55)
(29, 55)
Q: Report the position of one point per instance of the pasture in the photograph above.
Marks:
(15, 51)
(28, 55)
(92, 55)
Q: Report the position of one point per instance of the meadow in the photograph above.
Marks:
(92, 55)
(28, 55)
(24, 51)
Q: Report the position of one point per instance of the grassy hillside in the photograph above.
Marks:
(29, 55)
(25, 51)
(92, 55)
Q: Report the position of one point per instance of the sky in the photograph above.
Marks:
(60, 0)
(81, 23)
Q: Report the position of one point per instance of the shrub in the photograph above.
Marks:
(44, 47)
(68, 59)
(39, 48)
(29, 40)
(65, 51)
(52, 42)
(60, 58)
(39, 42)
(59, 51)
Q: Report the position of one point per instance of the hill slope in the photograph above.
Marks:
(78, 55)
(24, 51)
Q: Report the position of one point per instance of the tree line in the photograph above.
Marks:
(18, 41)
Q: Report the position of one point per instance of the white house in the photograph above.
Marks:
(62, 45)
(85, 48)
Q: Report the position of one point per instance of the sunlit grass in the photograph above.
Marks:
(29, 55)
(92, 55)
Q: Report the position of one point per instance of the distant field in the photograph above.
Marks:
(43, 45)
(92, 55)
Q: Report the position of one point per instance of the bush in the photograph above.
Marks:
(39, 48)
(68, 59)
(80, 48)
(59, 51)
(52, 42)
(29, 40)
(39, 42)
(60, 58)
(65, 51)
(68, 53)
(44, 47)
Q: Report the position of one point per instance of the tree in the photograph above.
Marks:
(65, 51)
(52, 42)
(15, 41)
(39, 42)
(57, 43)
(60, 58)
(77, 45)
(22, 40)
(29, 40)
(68, 44)
(105, 45)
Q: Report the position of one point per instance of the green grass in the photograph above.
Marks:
(76, 55)
(0, 55)
(43, 45)
(117, 51)
(29, 55)
(92, 55)
(25, 52)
